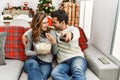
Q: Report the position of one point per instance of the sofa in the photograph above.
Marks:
(11, 67)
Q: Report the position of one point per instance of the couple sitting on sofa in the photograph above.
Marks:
(62, 41)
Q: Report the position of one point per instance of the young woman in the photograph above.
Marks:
(38, 66)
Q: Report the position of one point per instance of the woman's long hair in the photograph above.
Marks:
(36, 25)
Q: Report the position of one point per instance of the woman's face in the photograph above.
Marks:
(45, 24)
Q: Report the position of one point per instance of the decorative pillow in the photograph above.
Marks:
(2, 43)
(82, 40)
(43, 48)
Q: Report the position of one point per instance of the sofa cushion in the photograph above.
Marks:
(2, 57)
(2, 51)
(11, 70)
(103, 71)
(89, 75)
(14, 48)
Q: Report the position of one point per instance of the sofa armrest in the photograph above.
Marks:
(103, 71)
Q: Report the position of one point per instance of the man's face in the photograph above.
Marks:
(57, 25)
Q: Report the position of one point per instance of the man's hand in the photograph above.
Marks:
(68, 36)
(24, 40)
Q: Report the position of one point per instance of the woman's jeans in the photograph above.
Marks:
(71, 69)
(37, 69)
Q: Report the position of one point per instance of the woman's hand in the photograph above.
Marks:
(37, 53)
(50, 38)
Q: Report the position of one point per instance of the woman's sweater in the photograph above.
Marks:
(29, 52)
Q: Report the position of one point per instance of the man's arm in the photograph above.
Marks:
(24, 40)
(24, 37)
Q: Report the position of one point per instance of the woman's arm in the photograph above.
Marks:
(52, 38)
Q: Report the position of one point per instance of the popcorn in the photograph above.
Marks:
(43, 48)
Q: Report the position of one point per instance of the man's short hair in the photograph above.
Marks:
(61, 15)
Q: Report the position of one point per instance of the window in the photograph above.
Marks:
(116, 43)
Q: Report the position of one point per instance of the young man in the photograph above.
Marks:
(71, 60)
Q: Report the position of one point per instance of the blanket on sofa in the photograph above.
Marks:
(14, 48)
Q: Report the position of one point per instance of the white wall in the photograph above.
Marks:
(104, 13)
(56, 3)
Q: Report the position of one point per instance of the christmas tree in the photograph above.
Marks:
(45, 6)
